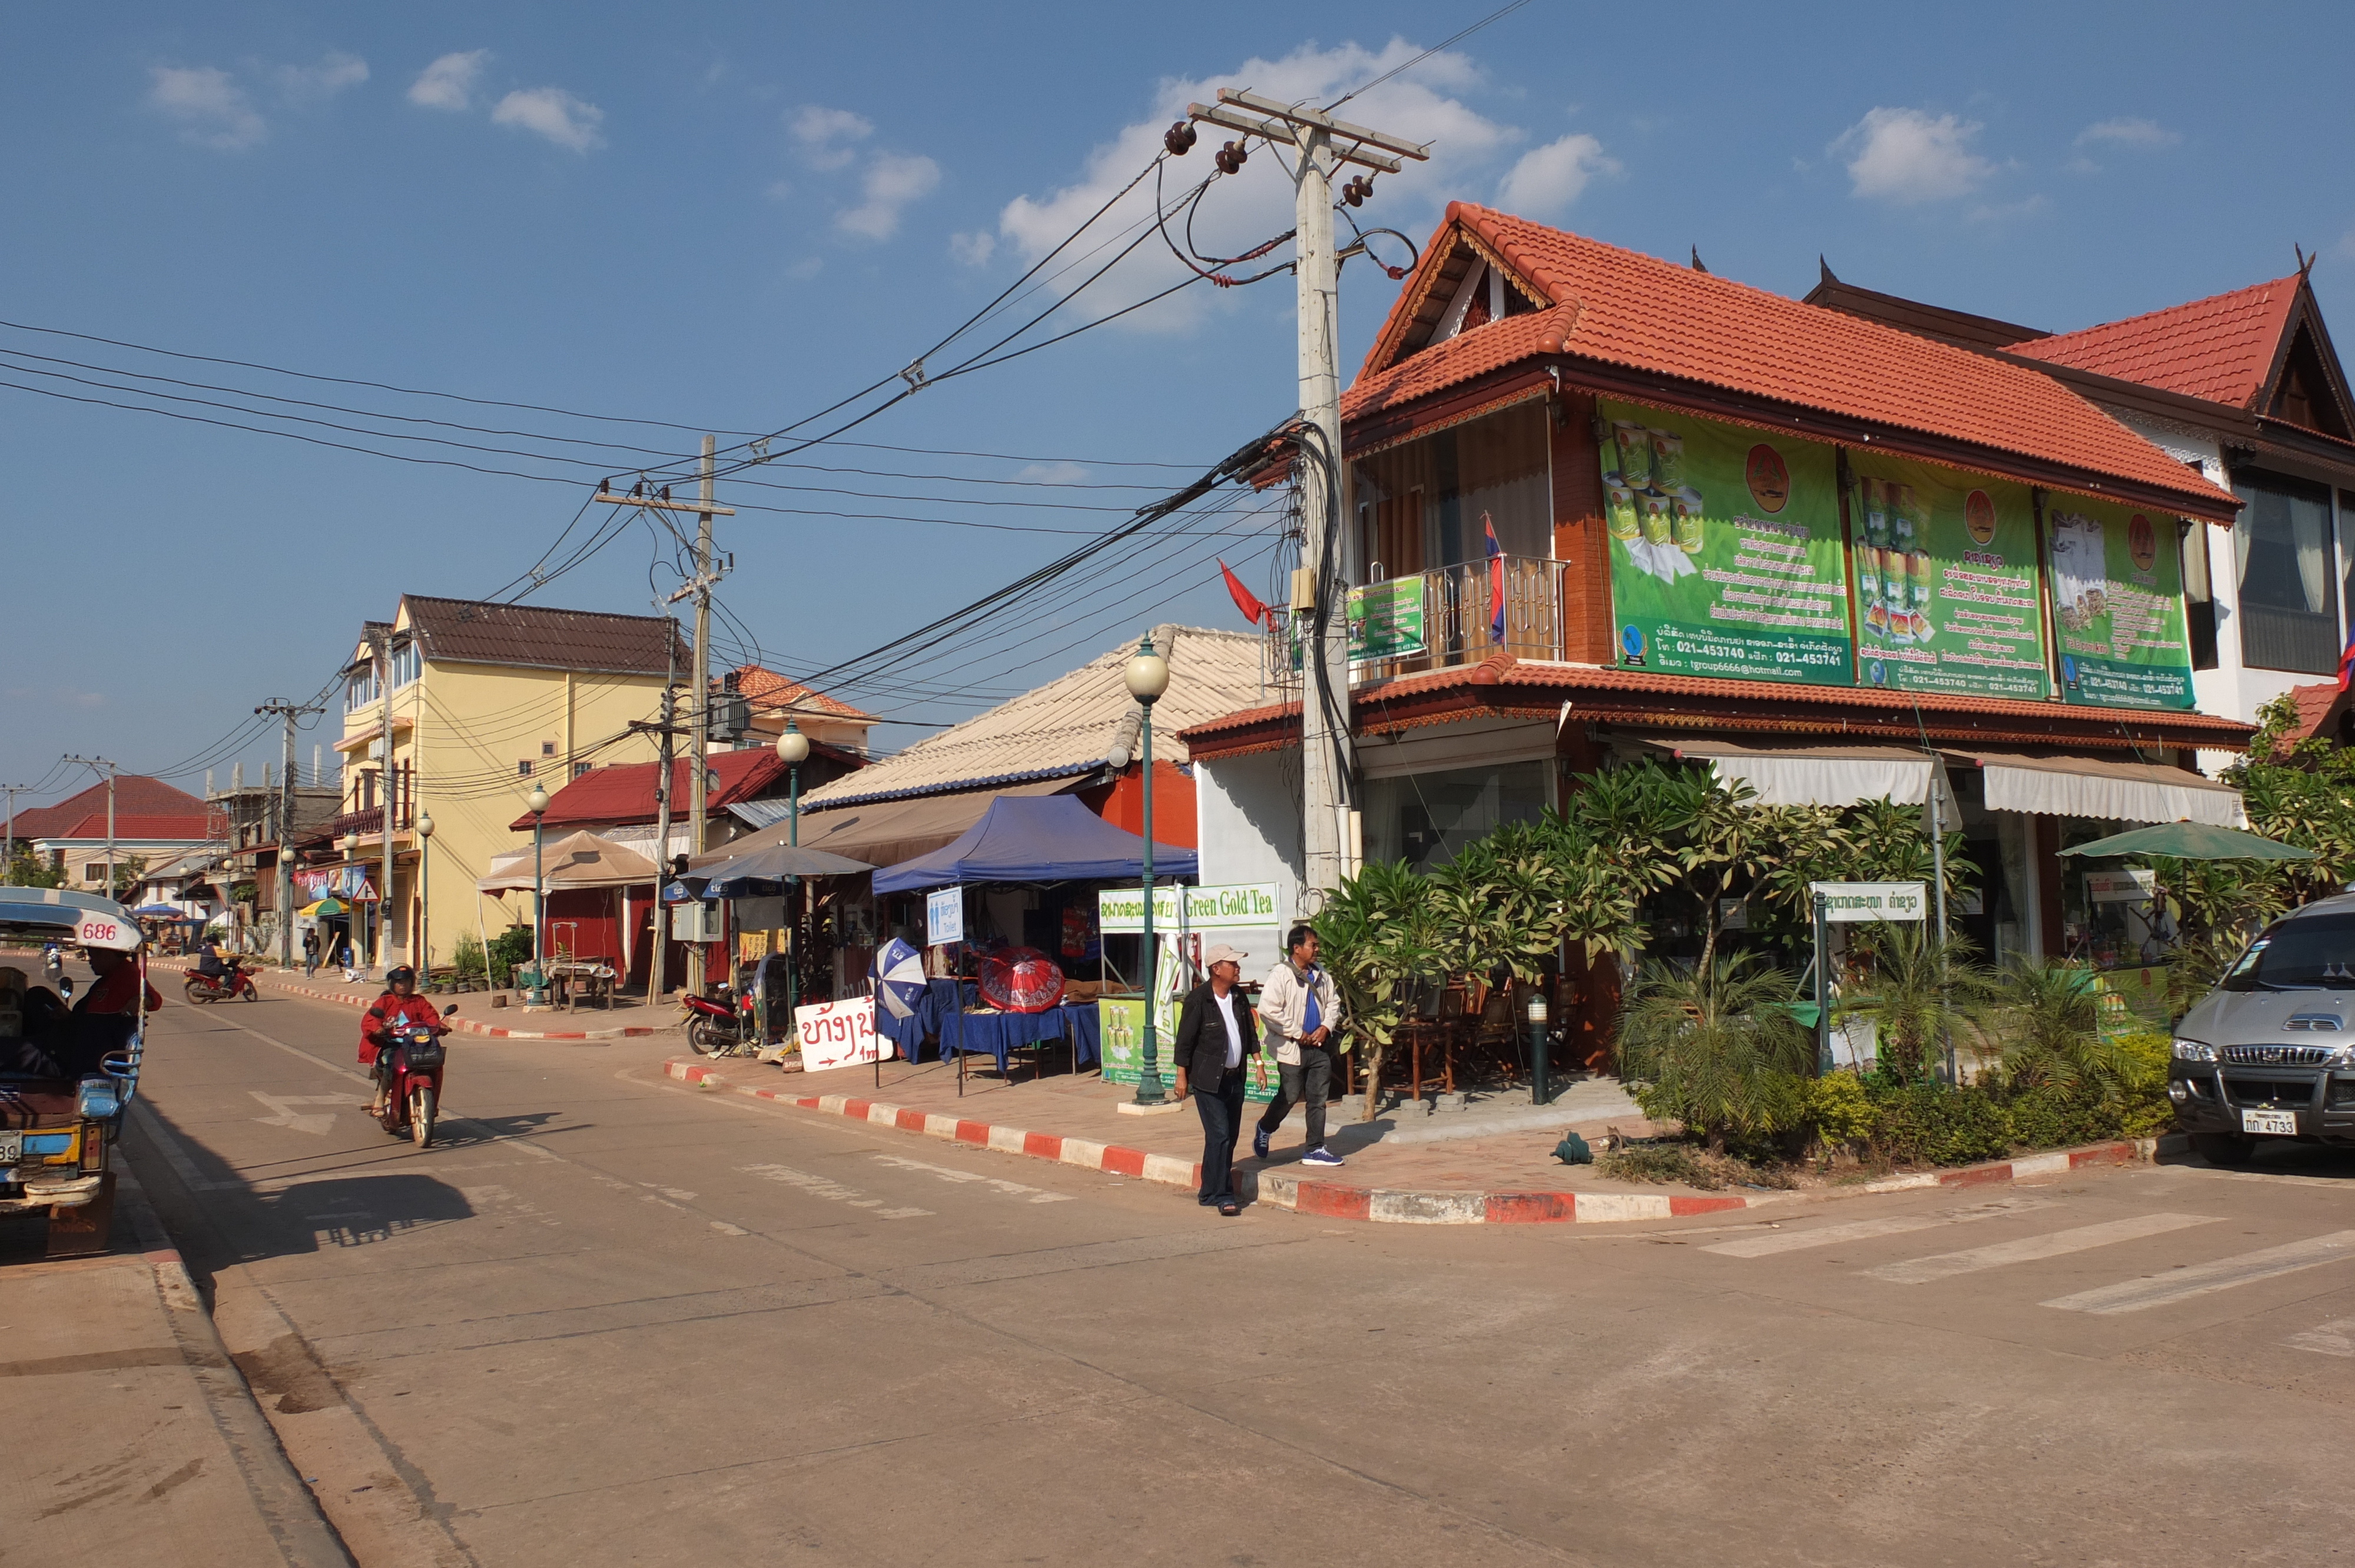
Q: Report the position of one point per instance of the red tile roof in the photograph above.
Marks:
(1622, 308)
(183, 827)
(626, 793)
(2221, 348)
(2318, 706)
(771, 693)
(539, 637)
(134, 793)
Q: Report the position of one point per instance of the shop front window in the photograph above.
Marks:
(2288, 569)
(1424, 818)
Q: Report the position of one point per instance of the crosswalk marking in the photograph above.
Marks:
(2336, 1337)
(1861, 1230)
(2027, 1249)
(2223, 1274)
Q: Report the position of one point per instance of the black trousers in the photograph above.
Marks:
(1310, 1082)
(1223, 1120)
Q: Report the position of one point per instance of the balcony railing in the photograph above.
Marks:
(1436, 620)
(368, 822)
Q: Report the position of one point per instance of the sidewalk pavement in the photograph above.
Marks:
(1480, 1173)
(359, 993)
(133, 1438)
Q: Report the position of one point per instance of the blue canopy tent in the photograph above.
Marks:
(1036, 838)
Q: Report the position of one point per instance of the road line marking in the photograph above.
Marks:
(1862, 1230)
(2336, 1337)
(2182, 1284)
(1945, 1266)
(826, 1187)
(949, 1173)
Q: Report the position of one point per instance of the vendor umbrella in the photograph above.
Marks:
(748, 874)
(1020, 980)
(325, 906)
(899, 974)
(160, 912)
(2192, 841)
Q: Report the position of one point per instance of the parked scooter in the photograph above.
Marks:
(721, 1024)
(409, 1068)
(237, 982)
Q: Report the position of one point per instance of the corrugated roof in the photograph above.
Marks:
(2221, 348)
(625, 792)
(531, 636)
(192, 827)
(1618, 307)
(133, 792)
(1066, 726)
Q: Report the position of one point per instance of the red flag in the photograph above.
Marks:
(1253, 611)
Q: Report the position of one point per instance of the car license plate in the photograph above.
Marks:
(11, 1147)
(2283, 1122)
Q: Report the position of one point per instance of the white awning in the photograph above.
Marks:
(1815, 775)
(2106, 791)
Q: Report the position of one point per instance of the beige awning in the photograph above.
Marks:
(2104, 790)
(1814, 775)
(886, 832)
(576, 860)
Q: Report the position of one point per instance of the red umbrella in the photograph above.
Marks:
(1020, 980)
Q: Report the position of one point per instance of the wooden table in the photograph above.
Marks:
(576, 979)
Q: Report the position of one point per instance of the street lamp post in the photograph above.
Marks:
(424, 898)
(537, 802)
(1148, 677)
(793, 750)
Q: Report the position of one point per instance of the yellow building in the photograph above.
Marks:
(483, 702)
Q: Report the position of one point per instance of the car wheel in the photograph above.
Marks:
(2226, 1148)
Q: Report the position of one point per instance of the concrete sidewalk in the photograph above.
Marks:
(359, 993)
(133, 1438)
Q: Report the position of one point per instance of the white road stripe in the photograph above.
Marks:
(996, 1184)
(2182, 1284)
(2027, 1249)
(1864, 1230)
(2336, 1337)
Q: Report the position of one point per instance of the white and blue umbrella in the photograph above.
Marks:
(898, 973)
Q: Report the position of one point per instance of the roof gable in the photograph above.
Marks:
(769, 692)
(135, 794)
(2222, 349)
(1634, 312)
(626, 791)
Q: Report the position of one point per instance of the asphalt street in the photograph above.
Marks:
(608, 1318)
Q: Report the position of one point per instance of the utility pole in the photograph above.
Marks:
(12, 791)
(384, 799)
(100, 765)
(1322, 144)
(289, 711)
(707, 574)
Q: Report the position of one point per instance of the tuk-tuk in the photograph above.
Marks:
(66, 1074)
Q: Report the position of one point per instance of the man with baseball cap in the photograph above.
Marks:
(1216, 1036)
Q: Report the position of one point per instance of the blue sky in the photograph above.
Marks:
(728, 217)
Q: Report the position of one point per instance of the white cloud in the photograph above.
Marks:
(1244, 210)
(1548, 179)
(825, 134)
(808, 267)
(973, 250)
(211, 109)
(552, 112)
(892, 180)
(2130, 131)
(1052, 473)
(449, 81)
(335, 72)
(1907, 157)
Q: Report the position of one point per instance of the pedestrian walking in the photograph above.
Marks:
(1215, 1038)
(309, 951)
(1300, 1009)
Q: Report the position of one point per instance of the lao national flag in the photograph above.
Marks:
(1253, 611)
(1496, 581)
(2347, 661)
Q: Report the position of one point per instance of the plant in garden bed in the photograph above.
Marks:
(1671, 1161)
(1717, 1050)
(1926, 991)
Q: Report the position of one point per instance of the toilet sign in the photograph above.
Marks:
(944, 916)
(1850, 902)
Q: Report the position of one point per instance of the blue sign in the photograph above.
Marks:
(944, 916)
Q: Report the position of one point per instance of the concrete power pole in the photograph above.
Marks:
(1328, 765)
(100, 765)
(289, 711)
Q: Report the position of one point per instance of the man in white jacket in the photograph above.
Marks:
(1300, 1008)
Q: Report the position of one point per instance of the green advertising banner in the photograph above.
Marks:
(1121, 1021)
(1386, 618)
(2117, 604)
(1725, 550)
(1945, 581)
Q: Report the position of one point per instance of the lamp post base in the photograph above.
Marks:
(1164, 1107)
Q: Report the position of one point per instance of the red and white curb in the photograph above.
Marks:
(465, 1025)
(2028, 1167)
(1326, 1200)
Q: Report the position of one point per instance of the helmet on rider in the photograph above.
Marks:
(396, 979)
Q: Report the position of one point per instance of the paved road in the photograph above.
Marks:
(615, 1320)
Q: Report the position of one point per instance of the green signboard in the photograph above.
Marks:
(2117, 604)
(1122, 1023)
(1725, 550)
(1386, 619)
(1945, 581)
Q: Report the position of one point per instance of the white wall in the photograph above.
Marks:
(1247, 812)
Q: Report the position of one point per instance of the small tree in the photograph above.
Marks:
(1717, 1049)
(1925, 992)
(1379, 936)
(26, 869)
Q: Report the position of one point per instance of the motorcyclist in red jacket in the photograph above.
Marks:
(399, 1008)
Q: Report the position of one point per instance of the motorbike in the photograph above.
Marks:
(722, 1024)
(202, 988)
(409, 1064)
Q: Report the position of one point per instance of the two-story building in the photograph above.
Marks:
(453, 710)
(1809, 550)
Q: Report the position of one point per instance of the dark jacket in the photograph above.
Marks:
(1202, 1044)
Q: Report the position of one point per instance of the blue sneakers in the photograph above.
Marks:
(1259, 1142)
(1320, 1157)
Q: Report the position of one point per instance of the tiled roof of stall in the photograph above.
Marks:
(1620, 307)
(2221, 348)
(626, 791)
(1066, 726)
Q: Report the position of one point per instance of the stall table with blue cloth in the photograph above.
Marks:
(959, 1031)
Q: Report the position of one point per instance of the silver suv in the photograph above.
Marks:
(2270, 1052)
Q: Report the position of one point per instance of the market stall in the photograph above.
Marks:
(585, 943)
(763, 885)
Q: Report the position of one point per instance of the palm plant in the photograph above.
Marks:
(1379, 935)
(1716, 1049)
(2054, 1019)
(1925, 990)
